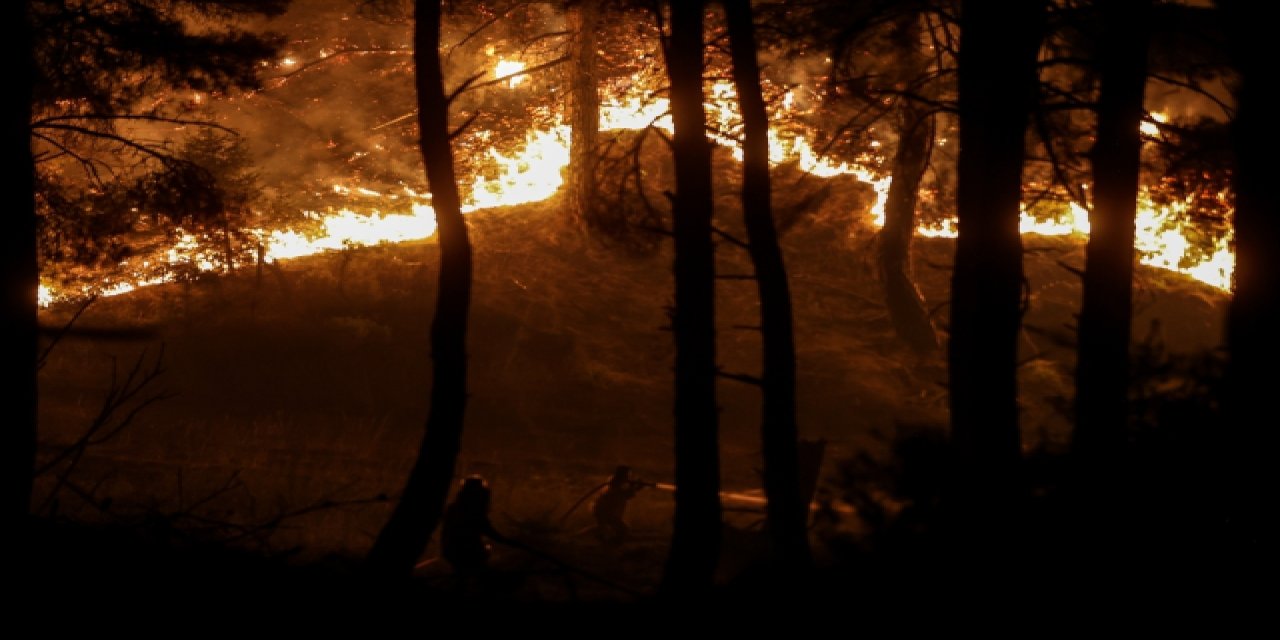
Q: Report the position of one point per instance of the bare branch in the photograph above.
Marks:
(729, 237)
(1077, 271)
(118, 139)
(522, 72)
(62, 333)
(463, 127)
(466, 84)
(396, 120)
(1059, 174)
(89, 165)
(109, 421)
(485, 25)
(740, 377)
(341, 53)
(1227, 110)
(133, 116)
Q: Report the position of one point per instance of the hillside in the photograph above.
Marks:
(308, 382)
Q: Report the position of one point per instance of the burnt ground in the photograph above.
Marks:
(296, 395)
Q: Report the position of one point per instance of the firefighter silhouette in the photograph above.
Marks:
(610, 507)
(466, 530)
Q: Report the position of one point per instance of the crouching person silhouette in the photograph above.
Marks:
(466, 531)
(611, 507)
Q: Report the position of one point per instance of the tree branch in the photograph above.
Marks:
(740, 377)
(523, 72)
(133, 116)
(337, 54)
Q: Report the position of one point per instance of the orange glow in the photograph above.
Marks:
(533, 172)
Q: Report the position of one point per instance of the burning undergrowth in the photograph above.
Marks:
(333, 142)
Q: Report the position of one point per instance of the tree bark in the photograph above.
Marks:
(787, 510)
(1253, 343)
(418, 512)
(695, 540)
(584, 111)
(997, 88)
(19, 257)
(907, 310)
(915, 127)
(1102, 366)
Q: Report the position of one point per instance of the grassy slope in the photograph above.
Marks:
(312, 382)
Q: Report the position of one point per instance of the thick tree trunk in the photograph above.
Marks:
(584, 111)
(406, 535)
(695, 541)
(787, 510)
(19, 257)
(997, 88)
(907, 310)
(1102, 368)
(1253, 319)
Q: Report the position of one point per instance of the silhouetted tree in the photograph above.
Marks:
(21, 272)
(695, 541)
(234, 187)
(584, 108)
(1102, 370)
(881, 68)
(418, 512)
(81, 69)
(1254, 315)
(786, 515)
(997, 88)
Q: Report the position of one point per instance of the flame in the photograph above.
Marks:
(347, 228)
(632, 113)
(1151, 127)
(507, 67)
(533, 172)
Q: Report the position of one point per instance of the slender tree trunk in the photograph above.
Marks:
(19, 257)
(695, 540)
(1102, 368)
(997, 88)
(1253, 340)
(228, 248)
(906, 304)
(915, 128)
(584, 110)
(406, 535)
(787, 511)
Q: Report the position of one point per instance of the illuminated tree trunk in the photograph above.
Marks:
(997, 88)
(695, 540)
(406, 535)
(584, 110)
(1102, 369)
(21, 270)
(787, 510)
(915, 129)
(1253, 340)
(907, 309)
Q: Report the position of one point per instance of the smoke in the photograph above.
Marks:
(338, 106)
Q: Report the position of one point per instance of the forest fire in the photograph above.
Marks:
(851, 297)
(534, 172)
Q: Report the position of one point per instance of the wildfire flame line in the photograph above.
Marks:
(533, 173)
